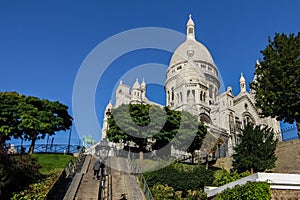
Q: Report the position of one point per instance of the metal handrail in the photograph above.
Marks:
(48, 148)
(137, 171)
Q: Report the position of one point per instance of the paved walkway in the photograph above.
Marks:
(89, 187)
(123, 182)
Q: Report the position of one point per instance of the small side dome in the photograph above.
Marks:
(242, 79)
(109, 106)
(136, 85)
(143, 84)
(190, 21)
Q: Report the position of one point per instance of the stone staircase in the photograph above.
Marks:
(119, 182)
(89, 187)
(122, 181)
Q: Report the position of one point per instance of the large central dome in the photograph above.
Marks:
(201, 53)
(192, 75)
(191, 48)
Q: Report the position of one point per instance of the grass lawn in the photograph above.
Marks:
(51, 162)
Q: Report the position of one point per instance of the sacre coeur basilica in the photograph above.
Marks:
(192, 84)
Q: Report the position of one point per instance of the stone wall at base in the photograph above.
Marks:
(288, 157)
(225, 163)
(285, 194)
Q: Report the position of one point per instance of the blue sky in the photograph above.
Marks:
(44, 43)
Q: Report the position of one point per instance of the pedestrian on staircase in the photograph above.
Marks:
(96, 169)
(123, 197)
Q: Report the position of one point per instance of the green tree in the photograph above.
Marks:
(39, 117)
(169, 130)
(277, 80)
(30, 118)
(8, 117)
(135, 123)
(256, 152)
(182, 130)
(190, 134)
(143, 123)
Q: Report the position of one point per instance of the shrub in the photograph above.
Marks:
(16, 172)
(249, 191)
(196, 195)
(39, 190)
(162, 192)
(222, 177)
(180, 177)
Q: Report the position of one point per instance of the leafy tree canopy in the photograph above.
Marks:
(140, 124)
(277, 81)
(8, 116)
(256, 152)
(31, 118)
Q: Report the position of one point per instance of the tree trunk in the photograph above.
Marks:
(2, 147)
(141, 155)
(206, 164)
(251, 170)
(298, 128)
(31, 148)
(193, 158)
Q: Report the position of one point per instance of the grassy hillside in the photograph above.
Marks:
(52, 162)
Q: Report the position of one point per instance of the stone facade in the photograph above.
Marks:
(192, 84)
(285, 194)
(288, 157)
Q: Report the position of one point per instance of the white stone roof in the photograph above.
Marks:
(136, 84)
(276, 181)
(190, 22)
(242, 79)
(190, 72)
(200, 52)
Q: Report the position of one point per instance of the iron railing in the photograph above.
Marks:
(135, 169)
(289, 133)
(49, 148)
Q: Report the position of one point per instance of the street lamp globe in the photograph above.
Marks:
(102, 149)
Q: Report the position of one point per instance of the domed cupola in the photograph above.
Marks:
(136, 93)
(136, 84)
(192, 64)
(190, 28)
(201, 53)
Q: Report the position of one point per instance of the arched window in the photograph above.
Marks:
(216, 93)
(172, 94)
(201, 96)
(205, 118)
(191, 31)
(248, 118)
(231, 123)
(210, 91)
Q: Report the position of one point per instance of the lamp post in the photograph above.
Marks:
(102, 151)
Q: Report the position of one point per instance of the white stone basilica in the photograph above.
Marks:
(192, 84)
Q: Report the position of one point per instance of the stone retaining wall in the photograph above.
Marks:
(288, 157)
(285, 194)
